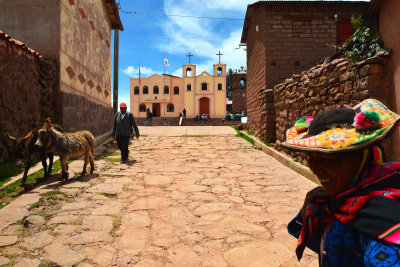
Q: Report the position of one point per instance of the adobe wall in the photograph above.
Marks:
(85, 66)
(332, 84)
(28, 88)
(389, 24)
(290, 38)
(35, 23)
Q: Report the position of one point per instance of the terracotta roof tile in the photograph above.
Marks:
(19, 44)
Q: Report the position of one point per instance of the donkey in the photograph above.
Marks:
(67, 145)
(24, 149)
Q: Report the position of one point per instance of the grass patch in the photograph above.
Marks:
(250, 132)
(47, 263)
(260, 148)
(117, 220)
(245, 137)
(8, 170)
(53, 194)
(112, 159)
(106, 194)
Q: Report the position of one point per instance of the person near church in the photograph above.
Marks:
(208, 118)
(149, 116)
(184, 112)
(123, 126)
(352, 219)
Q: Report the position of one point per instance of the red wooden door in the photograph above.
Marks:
(156, 110)
(344, 31)
(204, 106)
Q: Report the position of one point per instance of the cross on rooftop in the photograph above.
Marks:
(241, 68)
(219, 56)
(189, 56)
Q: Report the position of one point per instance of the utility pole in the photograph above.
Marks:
(116, 55)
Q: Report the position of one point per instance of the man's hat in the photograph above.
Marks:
(343, 129)
(122, 105)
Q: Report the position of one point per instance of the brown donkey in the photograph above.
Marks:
(67, 145)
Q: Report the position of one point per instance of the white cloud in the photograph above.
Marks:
(133, 72)
(205, 49)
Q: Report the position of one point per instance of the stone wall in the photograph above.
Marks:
(29, 85)
(332, 84)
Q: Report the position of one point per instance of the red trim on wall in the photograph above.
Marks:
(82, 12)
(72, 2)
(70, 72)
(99, 89)
(81, 78)
(100, 35)
(92, 25)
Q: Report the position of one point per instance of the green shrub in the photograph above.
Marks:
(363, 43)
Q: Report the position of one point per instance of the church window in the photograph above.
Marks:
(155, 90)
(243, 83)
(220, 86)
(189, 87)
(166, 89)
(170, 108)
(219, 71)
(145, 90)
(142, 108)
(136, 90)
(204, 86)
(176, 90)
(188, 72)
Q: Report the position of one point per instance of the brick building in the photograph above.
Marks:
(239, 103)
(288, 37)
(77, 35)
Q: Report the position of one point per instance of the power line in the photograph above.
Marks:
(188, 37)
(172, 15)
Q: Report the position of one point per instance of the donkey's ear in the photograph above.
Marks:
(27, 138)
(11, 139)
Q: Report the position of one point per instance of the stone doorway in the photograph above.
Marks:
(204, 105)
(156, 110)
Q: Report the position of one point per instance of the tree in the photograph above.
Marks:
(229, 84)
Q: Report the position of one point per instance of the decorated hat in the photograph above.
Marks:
(122, 105)
(342, 129)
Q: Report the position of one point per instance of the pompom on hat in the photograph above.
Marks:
(343, 129)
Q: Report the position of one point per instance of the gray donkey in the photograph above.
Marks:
(67, 145)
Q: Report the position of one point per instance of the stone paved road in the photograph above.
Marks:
(190, 196)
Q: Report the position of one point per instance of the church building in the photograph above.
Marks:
(167, 95)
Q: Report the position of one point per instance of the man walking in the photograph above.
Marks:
(122, 130)
(184, 112)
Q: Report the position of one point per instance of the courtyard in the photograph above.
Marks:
(189, 196)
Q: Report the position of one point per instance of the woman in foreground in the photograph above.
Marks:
(353, 219)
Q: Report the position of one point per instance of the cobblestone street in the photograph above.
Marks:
(189, 196)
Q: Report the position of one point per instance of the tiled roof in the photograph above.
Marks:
(113, 13)
(20, 44)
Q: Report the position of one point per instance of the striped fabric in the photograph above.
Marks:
(371, 206)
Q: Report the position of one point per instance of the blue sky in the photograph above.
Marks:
(147, 39)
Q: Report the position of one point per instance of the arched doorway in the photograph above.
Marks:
(204, 106)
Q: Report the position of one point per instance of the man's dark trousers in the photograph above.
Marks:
(123, 142)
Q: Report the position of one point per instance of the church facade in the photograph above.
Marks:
(167, 96)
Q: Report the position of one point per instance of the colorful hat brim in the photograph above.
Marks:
(344, 140)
